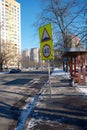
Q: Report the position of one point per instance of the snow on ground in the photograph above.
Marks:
(83, 89)
(26, 113)
(31, 124)
(60, 72)
(4, 72)
(29, 107)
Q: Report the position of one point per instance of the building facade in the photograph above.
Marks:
(10, 32)
(30, 57)
(34, 55)
(25, 58)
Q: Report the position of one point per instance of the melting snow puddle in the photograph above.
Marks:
(26, 113)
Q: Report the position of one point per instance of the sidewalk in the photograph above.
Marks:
(60, 72)
(64, 109)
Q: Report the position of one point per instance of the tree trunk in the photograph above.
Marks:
(1, 67)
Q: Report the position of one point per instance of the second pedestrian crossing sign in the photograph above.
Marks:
(46, 42)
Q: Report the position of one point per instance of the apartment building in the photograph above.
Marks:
(10, 32)
(30, 57)
(25, 58)
(34, 55)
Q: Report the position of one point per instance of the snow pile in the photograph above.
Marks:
(82, 89)
(60, 72)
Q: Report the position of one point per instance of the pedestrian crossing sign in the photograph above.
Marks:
(45, 36)
(46, 42)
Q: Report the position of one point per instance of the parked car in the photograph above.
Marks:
(14, 71)
(18, 70)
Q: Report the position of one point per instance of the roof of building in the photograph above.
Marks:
(73, 51)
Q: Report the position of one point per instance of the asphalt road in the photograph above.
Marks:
(15, 90)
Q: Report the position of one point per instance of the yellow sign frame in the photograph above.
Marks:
(46, 42)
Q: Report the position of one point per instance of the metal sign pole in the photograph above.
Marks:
(49, 78)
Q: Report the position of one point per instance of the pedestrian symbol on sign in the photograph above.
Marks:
(45, 36)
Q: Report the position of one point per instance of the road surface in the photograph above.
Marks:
(15, 90)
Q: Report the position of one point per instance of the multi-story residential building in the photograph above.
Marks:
(25, 58)
(76, 42)
(34, 55)
(10, 32)
(30, 57)
(73, 41)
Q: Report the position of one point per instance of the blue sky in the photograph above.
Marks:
(29, 13)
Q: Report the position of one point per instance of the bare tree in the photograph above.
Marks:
(2, 54)
(1, 60)
(66, 17)
(84, 34)
(8, 55)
